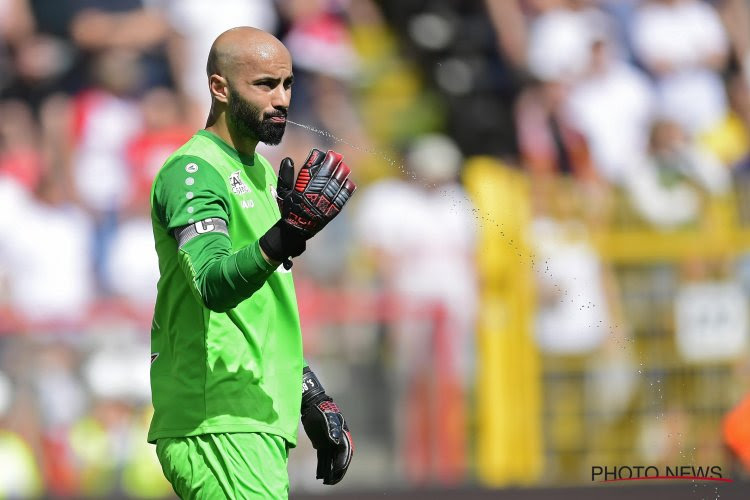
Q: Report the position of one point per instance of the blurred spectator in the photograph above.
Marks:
(317, 32)
(43, 58)
(550, 144)
(20, 157)
(612, 104)
(560, 38)
(49, 274)
(684, 45)
(16, 20)
(62, 399)
(421, 233)
(132, 268)
(100, 26)
(108, 445)
(559, 50)
(622, 12)
(131, 243)
(16, 23)
(575, 290)
(19, 475)
(510, 28)
(105, 118)
(61, 39)
(61, 402)
(668, 186)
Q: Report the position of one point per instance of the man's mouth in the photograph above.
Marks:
(280, 118)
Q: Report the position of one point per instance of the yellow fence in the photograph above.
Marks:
(540, 416)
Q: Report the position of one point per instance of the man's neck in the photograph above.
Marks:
(220, 127)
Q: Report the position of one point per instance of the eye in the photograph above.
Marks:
(288, 83)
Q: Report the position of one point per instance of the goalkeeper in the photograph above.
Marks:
(228, 380)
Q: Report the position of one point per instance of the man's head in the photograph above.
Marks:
(250, 79)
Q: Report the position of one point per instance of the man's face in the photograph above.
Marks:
(265, 126)
(259, 93)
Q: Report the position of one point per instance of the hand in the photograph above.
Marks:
(320, 192)
(322, 189)
(325, 426)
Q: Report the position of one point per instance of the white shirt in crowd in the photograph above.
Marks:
(46, 258)
(613, 110)
(681, 36)
(575, 317)
(429, 236)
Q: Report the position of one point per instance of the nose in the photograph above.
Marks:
(280, 97)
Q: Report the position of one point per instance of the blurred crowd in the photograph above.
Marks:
(634, 105)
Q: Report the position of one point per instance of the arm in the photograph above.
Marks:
(221, 279)
(192, 201)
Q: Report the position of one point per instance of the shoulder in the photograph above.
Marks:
(198, 156)
(187, 170)
(189, 188)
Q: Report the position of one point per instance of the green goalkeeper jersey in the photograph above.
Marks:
(226, 342)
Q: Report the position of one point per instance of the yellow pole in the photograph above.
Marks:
(509, 429)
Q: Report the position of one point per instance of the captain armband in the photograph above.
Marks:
(211, 225)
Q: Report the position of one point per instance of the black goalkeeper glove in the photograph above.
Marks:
(320, 192)
(325, 426)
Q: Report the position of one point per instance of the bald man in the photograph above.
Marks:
(229, 383)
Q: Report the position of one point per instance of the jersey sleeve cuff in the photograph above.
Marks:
(260, 261)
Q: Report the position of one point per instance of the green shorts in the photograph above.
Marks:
(216, 466)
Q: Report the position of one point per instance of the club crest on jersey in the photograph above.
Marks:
(238, 187)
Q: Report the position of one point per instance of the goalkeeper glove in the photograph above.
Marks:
(325, 426)
(320, 192)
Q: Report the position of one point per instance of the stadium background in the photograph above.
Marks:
(555, 275)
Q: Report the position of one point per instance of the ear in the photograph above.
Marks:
(219, 88)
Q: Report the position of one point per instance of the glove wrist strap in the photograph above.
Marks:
(281, 242)
(312, 389)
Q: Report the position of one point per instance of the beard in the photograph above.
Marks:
(251, 121)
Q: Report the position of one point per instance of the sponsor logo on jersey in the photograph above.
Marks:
(238, 187)
(248, 203)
